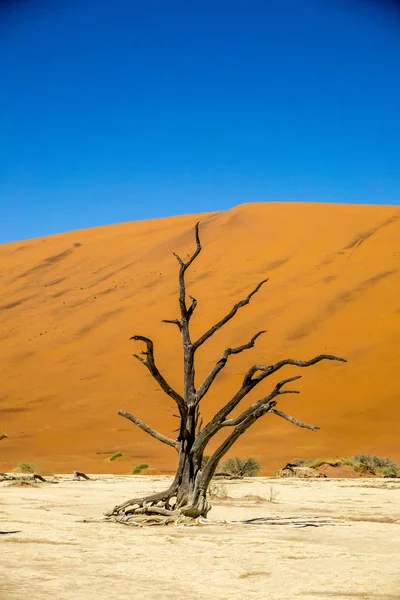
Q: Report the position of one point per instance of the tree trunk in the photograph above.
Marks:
(187, 495)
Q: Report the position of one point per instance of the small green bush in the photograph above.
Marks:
(115, 456)
(390, 471)
(25, 468)
(139, 468)
(241, 467)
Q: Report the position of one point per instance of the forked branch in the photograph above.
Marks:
(205, 386)
(266, 371)
(227, 317)
(266, 401)
(248, 418)
(250, 381)
(185, 312)
(159, 436)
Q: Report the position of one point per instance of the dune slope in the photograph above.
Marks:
(69, 304)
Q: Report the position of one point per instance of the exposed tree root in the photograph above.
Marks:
(160, 509)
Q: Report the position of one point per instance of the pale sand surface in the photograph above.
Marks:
(321, 539)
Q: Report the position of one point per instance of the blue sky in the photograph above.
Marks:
(130, 109)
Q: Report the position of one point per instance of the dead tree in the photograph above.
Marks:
(186, 498)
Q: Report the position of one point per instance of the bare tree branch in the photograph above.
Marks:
(200, 424)
(249, 383)
(239, 429)
(151, 366)
(173, 322)
(192, 306)
(187, 264)
(265, 371)
(185, 312)
(227, 317)
(293, 420)
(267, 400)
(205, 386)
(159, 436)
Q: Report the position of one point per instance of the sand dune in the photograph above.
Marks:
(70, 302)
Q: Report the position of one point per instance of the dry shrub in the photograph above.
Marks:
(272, 495)
(24, 467)
(22, 483)
(241, 467)
(218, 491)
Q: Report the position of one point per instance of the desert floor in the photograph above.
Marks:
(317, 539)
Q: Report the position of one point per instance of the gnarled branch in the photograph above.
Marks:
(185, 312)
(266, 371)
(149, 362)
(293, 420)
(249, 383)
(205, 386)
(239, 429)
(266, 401)
(159, 436)
(227, 317)
(173, 322)
(186, 265)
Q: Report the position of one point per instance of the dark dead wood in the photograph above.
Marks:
(192, 307)
(293, 420)
(227, 317)
(250, 381)
(150, 364)
(78, 476)
(205, 386)
(185, 312)
(266, 371)
(173, 322)
(159, 436)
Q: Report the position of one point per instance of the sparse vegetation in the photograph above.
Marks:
(315, 463)
(374, 465)
(241, 467)
(218, 491)
(272, 495)
(365, 464)
(23, 483)
(115, 456)
(25, 467)
(139, 468)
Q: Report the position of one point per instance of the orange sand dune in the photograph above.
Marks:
(70, 302)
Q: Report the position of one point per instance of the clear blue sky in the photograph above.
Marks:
(117, 110)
